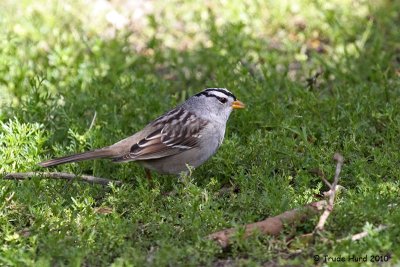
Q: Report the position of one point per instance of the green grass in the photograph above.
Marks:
(62, 65)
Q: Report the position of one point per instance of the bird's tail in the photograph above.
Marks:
(95, 154)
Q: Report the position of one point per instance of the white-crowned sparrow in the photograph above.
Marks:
(187, 135)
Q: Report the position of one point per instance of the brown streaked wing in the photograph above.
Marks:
(172, 134)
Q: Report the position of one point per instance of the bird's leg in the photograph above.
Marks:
(148, 175)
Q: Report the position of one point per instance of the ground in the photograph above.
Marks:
(318, 77)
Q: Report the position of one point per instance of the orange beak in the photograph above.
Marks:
(238, 104)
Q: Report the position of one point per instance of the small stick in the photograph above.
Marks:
(321, 174)
(60, 175)
(363, 234)
(269, 226)
(93, 121)
(326, 182)
(322, 220)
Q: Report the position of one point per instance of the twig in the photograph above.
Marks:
(321, 174)
(363, 234)
(328, 193)
(269, 226)
(326, 182)
(93, 121)
(322, 220)
(274, 225)
(60, 175)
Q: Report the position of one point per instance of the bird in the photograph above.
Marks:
(187, 135)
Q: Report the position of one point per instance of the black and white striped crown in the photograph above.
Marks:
(216, 92)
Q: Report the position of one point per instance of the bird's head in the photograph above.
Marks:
(214, 103)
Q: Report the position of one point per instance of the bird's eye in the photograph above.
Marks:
(222, 100)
